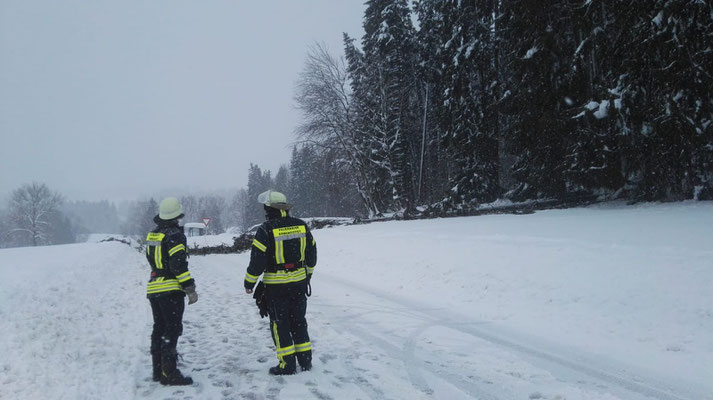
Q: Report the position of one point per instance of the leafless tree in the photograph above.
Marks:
(31, 209)
(323, 96)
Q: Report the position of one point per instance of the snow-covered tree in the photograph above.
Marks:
(434, 160)
(307, 183)
(236, 209)
(533, 49)
(258, 182)
(589, 97)
(461, 51)
(385, 95)
(668, 102)
(638, 79)
(282, 179)
(32, 209)
(63, 230)
(4, 229)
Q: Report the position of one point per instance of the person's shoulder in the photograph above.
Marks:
(265, 227)
(290, 220)
(174, 233)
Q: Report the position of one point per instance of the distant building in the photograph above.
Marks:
(194, 229)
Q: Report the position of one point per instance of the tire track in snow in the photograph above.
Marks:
(413, 365)
(552, 362)
(363, 383)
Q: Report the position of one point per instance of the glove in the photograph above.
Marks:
(260, 297)
(192, 295)
(262, 306)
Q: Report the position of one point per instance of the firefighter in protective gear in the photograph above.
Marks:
(286, 253)
(170, 282)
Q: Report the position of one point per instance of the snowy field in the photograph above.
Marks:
(604, 302)
(224, 239)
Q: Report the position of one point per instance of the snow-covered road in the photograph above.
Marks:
(595, 303)
(374, 345)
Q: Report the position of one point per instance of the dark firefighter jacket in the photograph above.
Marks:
(284, 250)
(167, 253)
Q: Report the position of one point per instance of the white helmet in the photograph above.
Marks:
(170, 209)
(274, 199)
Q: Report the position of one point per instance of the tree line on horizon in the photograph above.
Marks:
(36, 215)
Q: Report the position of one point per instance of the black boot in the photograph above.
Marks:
(156, 360)
(286, 367)
(304, 358)
(171, 375)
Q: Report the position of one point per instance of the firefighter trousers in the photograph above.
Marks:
(287, 305)
(167, 322)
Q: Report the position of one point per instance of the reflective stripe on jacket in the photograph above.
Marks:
(284, 250)
(166, 252)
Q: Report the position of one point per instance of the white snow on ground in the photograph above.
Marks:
(224, 239)
(604, 302)
(71, 324)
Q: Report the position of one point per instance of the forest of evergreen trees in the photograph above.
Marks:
(450, 104)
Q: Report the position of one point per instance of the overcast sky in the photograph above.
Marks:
(105, 99)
